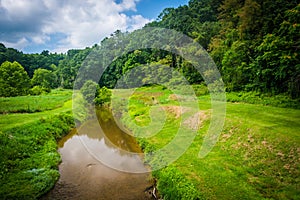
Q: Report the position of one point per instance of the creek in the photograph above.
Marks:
(83, 176)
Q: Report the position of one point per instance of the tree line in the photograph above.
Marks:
(23, 74)
(254, 43)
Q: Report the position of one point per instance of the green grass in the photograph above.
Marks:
(61, 100)
(279, 100)
(29, 160)
(256, 157)
(9, 121)
(31, 104)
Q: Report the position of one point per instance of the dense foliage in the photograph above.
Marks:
(257, 47)
(254, 43)
(88, 91)
(14, 80)
(103, 95)
(30, 62)
(46, 70)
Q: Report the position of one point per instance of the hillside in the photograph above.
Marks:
(256, 156)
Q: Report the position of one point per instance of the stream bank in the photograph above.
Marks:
(83, 176)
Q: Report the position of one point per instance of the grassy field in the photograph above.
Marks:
(28, 142)
(54, 103)
(257, 155)
(31, 104)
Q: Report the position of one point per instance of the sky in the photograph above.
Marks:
(59, 25)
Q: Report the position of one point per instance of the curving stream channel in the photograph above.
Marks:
(84, 177)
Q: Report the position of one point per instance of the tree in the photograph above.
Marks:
(44, 78)
(277, 64)
(30, 62)
(103, 96)
(14, 80)
(249, 16)
(89, 90)
(67, 68)
(257, 46)
(235, 67)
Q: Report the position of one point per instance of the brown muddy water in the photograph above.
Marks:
(83, 176)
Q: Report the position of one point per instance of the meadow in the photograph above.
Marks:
(32, 104)
(58, 101)
(256, 156)
(28, 141)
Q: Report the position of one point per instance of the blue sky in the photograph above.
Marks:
(152, 8)
(58, 25)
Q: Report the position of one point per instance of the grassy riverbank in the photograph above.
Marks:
(256, 157)
(29, 129)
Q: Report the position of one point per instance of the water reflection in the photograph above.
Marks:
(111, 146)
(114, 134)
(83, 176)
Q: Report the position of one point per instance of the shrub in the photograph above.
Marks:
(38, 90)
(103, 96)
(200, 90)
(263, 99)
(88, 90)
(173, 185)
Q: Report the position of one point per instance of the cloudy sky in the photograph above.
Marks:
(59, 25)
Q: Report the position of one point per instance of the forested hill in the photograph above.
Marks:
(255, 44)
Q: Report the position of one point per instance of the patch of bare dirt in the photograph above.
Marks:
(177, 111)
(196, 120)
(173, 97)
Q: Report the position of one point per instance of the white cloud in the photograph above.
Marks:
(40, 39)
(20, 44)
(83, 22)
(128, 5)
(136, 22)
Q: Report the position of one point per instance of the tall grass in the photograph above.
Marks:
(28, 143)
(29, 160)
(280, 100)
(31, 104)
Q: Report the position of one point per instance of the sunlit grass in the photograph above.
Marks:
(256, 157)
(31, 104)
(60, 102)
(29, 158)
(13, 120)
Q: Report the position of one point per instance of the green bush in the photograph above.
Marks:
(38, 90)
(173, 185)
(14, 80)
(103, 96)
(89, 90)
(200, 90)
(263, 99)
